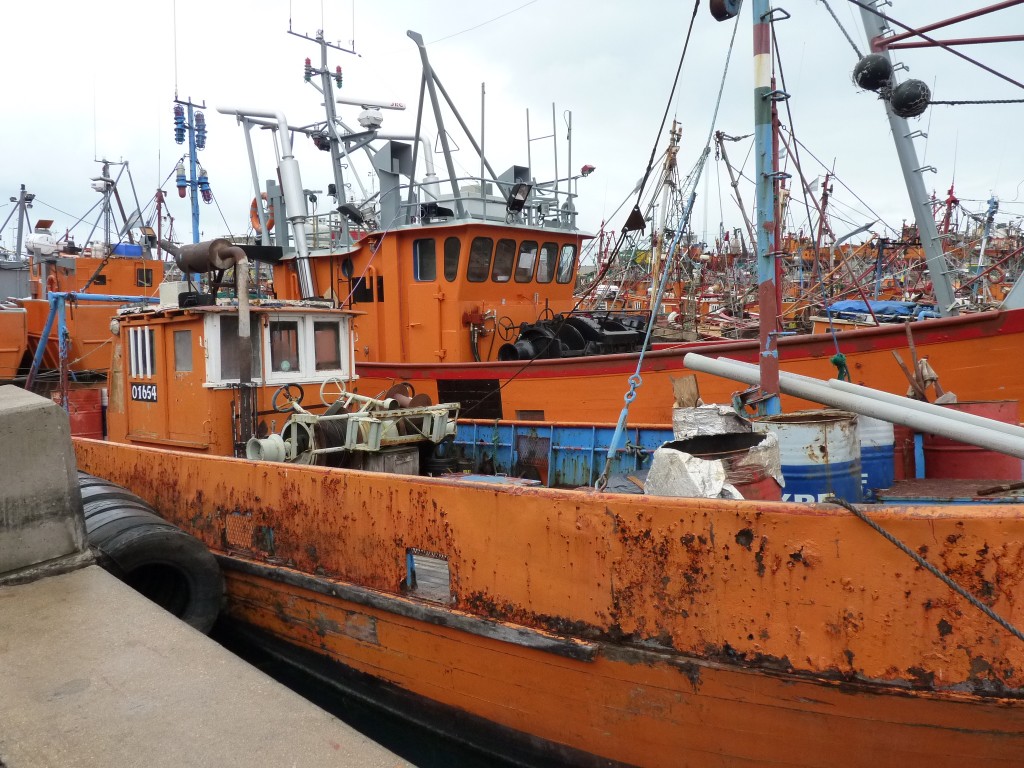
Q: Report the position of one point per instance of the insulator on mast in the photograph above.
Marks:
(179, 172)
(179, 124)
(200, 130)
(204, 186)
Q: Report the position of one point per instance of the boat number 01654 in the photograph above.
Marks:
(144, 392)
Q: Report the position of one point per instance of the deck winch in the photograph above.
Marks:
(576, 336)
(352, 423)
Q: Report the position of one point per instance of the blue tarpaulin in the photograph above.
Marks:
(884, 310)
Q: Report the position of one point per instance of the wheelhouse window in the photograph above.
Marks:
(424, 260)
(144, 278)
(284, 346)
(227, 336)
(142, 352)
(526, 260)
(504, 255)
(546, 263)
(479, 259)
(566, 263)
(182, 351)
(327, 345)
(452, 251)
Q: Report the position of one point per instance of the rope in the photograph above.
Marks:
(635, 381)
(930, 568)
(842, 29)
(979, 101)
(839, 361)
(668, 104)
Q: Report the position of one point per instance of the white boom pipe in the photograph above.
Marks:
(905, 402)
(818, 392)
(294, 196)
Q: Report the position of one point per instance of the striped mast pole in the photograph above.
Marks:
(764, 150)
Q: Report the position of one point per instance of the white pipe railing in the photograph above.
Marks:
(983, 436)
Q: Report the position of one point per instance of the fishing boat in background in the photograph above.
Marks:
(466, 286)
(71, 291)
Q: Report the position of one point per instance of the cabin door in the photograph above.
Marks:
(146, 393)
(425, 305)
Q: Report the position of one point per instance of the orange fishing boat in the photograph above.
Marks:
(75, 290)
(541, 623)
(466, 290)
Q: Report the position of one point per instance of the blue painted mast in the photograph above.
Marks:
(766, 175)
(195, 128)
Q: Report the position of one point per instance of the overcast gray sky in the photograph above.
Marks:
(88, 80)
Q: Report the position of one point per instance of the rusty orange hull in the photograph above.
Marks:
(970, 354)
(13, 340)
(603, 629)
(90, 341)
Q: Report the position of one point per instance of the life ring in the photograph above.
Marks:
(254, 213)
(995, 276)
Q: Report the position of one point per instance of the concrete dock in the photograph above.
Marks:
(92, 674)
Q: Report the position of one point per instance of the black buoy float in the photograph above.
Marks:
(872, 72)
(910, 99)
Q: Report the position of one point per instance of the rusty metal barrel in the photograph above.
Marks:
(950, 459)
(820, 454)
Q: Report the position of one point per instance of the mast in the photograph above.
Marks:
(766, 175)
(875, 26)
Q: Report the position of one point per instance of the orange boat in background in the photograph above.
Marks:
(78, 289)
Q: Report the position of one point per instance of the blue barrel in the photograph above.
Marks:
(876, 454)
(819, 452)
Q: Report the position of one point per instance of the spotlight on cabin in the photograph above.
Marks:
(872, 72)
(910, 99)
(352, 213)
(517, 197)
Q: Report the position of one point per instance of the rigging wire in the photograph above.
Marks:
(482, 23)
(671, 96)
(635, 380)
(842, 29)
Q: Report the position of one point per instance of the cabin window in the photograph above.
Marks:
(527, 258)
(362, 291)
(228, 338)
(479, 259)
(566, 262)
(144, 278)
(327, 345)
(182, 351)
(452, 250)
(142, 352)
(546, 263)
(504, 254)
(424, 260)
(284, 346)
(99, 279)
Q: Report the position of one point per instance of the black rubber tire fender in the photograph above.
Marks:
(156, 558)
